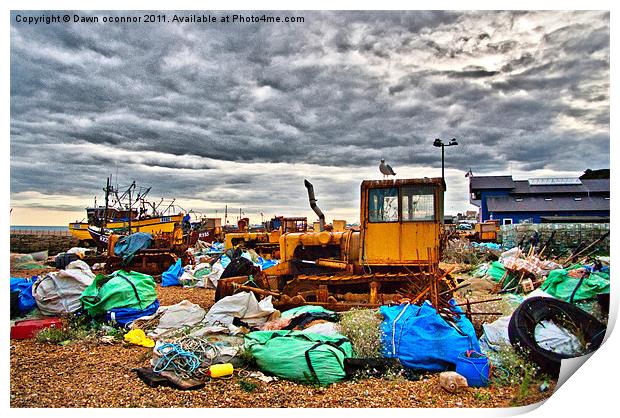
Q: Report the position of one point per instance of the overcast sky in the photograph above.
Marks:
(239, 114)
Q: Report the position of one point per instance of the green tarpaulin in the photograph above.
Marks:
(120, 289)
(496, 271)
(299, 356)
(562, 286)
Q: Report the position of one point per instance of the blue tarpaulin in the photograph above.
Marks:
(124, 316)
(265, 264)
(225, 261)
(422, 339)
(171, 276)
(24, 287)
(216, 248)
(128, 246)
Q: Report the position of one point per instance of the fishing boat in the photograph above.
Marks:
(137, 215)
(99, 237)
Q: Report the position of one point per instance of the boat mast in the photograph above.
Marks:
(130, 209)
(105, 213)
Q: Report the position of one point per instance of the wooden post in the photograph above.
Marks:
(322, 293)
(374, 291)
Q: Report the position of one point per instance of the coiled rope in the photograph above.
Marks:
(186, 356)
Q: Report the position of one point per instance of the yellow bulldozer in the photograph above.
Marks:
(393, 256)
(265, 242)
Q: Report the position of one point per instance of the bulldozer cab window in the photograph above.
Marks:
(418, 203)
(383, 205)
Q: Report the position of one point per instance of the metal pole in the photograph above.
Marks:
(442, 159)
(107, 193)
(129, 210)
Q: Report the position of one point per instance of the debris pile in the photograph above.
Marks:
(453, 318)
(463, 251)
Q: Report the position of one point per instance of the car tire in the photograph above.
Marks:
(523, 323)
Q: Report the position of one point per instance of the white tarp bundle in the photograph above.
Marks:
(197, 276)
(219, 319)
(212, 278)
(323, 328)
(553, 337)
(242, 305)
(80, 251)
(495, 335)
(59, 292)
(173, 318)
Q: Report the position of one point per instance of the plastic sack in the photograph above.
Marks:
(120, 289)
(495, 335)
(171, 276)
(26, 300)
(560, 284)
(242, 305)
(138, 337)
(422, 339)
(60, 292)
(303, 357)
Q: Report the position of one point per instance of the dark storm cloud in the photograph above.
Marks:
(201, 111)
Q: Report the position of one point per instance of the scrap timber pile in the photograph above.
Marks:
(166, 340)
(436, 286)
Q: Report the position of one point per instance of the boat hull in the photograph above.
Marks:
(80, 231)
(156, 225)
(100, 238)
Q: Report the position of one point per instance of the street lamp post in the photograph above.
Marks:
(438, 143)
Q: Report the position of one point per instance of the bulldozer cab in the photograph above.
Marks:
(401, 221)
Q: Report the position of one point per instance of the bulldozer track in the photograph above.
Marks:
(360, 278)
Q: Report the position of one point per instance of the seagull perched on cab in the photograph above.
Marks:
(385, 169)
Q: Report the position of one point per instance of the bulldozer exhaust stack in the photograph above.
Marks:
(313, 204)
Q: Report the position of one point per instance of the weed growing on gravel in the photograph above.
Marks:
(482, 396)
(247, 358)
(76, 328)
(53, 335)
(514, 368)
(363, 328)
(247, 386)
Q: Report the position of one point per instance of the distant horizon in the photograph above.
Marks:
(39, 227)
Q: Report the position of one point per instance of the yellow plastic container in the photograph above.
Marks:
(220, 370)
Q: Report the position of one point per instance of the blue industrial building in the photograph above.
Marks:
(540, 200)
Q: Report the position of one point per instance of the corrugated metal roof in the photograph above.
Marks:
(594, 186)
(540, 204)
(491, 182)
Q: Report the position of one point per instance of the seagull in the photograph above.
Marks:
(385, 169)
